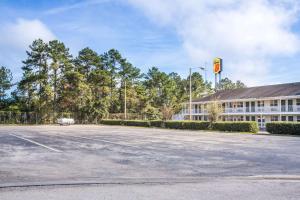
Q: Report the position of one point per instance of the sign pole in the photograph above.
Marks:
(190, 105)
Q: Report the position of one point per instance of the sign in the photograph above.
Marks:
(217, 65)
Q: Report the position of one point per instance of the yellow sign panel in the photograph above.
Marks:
(217, 67)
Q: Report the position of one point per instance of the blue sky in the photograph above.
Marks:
(259, 41)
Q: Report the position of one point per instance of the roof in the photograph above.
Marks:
(280, 90)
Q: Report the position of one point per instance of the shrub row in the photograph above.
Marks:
(189, 125)
(292, 128)
(251, 127)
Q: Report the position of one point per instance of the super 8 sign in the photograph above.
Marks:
(217, 65)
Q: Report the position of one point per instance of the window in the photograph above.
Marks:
(274, 118)
(283, 118)
(239, 104)
(260, 103)
(291, 118)
(298, 118)
(274, 103)
(298, 102)
(247, 118)
(253, 118)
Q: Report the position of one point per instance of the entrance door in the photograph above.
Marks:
(261, 122)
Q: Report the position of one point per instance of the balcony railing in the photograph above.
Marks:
(242, 110)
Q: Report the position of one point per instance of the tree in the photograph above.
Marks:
(59, 60)
(5, 85)
(227, 84)
(214, 110)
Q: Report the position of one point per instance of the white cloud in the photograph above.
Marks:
(15, 39)
(247, 34)
(21, 33)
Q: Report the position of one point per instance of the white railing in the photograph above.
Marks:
(245, 110)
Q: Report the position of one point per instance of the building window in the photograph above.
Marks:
(274, 103)
(283, 118)
(247, 118)
(298, 102)
(239, 104)
(291, 118)
(260, 103)
(253, 118)
(274, 118)
(298, 118)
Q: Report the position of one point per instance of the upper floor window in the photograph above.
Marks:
(274, 103)
(298, 102)
(239, 104)
(260, 103)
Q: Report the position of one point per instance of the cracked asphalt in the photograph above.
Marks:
(113, 162)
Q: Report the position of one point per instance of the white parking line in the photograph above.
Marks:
(36, 143)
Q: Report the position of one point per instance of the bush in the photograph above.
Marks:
(157, 123)
(292, 128)
(111, 122)
(141, 123)
(190, 125)
(251, 127)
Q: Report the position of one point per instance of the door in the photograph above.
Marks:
(283, 108)
(261, 122)
(247, 107)
(252, 106)
(290, 105)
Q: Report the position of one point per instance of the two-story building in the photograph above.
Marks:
(262, 104)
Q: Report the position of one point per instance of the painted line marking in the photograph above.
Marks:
(36, 143)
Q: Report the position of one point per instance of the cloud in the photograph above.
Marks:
(82, 4)
(247, 34)
(15, 39)
(21, 33)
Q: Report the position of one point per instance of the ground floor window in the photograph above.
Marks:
(253, 118)
(298, 118)
(247, 118)
(283, 118)
(274, 118)
(290, 118)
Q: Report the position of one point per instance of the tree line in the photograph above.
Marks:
(92, 85)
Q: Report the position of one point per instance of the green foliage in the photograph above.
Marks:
(141, 123)
(5, 82)
(190, 125)
(251, 127)
(227, 84)
(291, 128)
(93, 85)
(157, 123)
(112, 122)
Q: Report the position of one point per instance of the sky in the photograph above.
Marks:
(258, 40)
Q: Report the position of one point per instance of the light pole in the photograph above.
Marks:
(125, 108)
(190, 103)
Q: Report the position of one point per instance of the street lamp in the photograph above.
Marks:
(190, 103)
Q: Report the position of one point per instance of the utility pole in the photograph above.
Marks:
(190, 106)
(125, 109)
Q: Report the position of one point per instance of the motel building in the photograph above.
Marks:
(262, 104)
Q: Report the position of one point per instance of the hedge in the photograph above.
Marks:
(142, 123)
(112, 122)
(251, 127)
(157, 123)
(292, 128)
(189, 125)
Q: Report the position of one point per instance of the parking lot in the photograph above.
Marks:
(115, 158)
